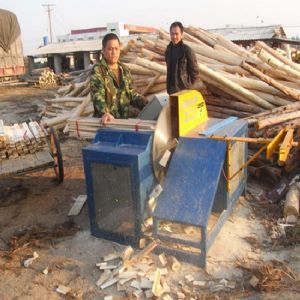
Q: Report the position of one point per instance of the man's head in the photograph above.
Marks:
(111, 48)
(176, 32)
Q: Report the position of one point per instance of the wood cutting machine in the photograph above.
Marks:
(201, 178)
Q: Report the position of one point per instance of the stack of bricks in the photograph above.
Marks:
(20, 139)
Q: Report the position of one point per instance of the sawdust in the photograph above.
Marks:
(272, 276)
(36, 236)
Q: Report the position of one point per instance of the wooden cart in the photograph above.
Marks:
(41, 160)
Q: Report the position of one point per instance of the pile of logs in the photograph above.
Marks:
(72, 101)
(20, 139)
(47, 78)
(233, 80)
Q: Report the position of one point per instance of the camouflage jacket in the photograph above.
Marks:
(109, 96)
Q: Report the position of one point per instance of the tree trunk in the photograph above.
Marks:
(277, 64)
(227, 111)
(290, 92)
(151, 65)
(262, 45)
(277, 101)
(232, 88)
(277, 119)
(135, 69)
(240, 106)
(253, 84)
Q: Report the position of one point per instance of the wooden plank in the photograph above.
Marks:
(77, 206)
(43, 157)
(26, 163)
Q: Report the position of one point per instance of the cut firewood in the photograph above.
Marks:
(175, 264)
(163, 259)
(104, 277)
(156, 287)
(291, 204)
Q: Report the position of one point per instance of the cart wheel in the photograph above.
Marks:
(56, 154)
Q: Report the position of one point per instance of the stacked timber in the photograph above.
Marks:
(20, 139)
(72, 100)
(47, 78)
(233, 80)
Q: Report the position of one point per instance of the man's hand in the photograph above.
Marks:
(107, 117)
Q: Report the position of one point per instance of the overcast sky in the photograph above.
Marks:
(76, 14)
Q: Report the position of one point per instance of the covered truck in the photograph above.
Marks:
(11, 50)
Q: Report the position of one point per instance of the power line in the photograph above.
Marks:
(48, 8)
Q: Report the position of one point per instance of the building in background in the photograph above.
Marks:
(78, 49)
(273, 35)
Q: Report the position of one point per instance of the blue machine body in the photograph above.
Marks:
(196, 186)
(119, 178)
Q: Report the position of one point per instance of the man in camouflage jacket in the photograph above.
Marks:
(111, 85)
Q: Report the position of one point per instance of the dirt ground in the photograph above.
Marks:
(33, 217)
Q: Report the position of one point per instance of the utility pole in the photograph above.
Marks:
(48, 9)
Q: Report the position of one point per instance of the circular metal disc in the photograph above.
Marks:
(161, 138)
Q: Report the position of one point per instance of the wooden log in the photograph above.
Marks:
(262, 45)
(227, 111)
(151, 65)
(151, 55)
(203, 59)
(230, 69)
(66, 99)
(126, 48)
(291, 204)
(191, 38)
(280, 76)
(79, 110)
(277, 119)
(221, 56)
(147, 80)
(288, 91)
(264, 167)
(249, 57)
(151, 45)
(293, 161)
(78, 88)
(151, 84)
(277, 64)
(214, 114)
(253, 84)
(85, 92)
(277, 101)
(234, 89)
(202, 35)
(229, 103)
(290, 84)
(65, 89)
(279, 110)
(60, 120)
(272, 131)
(157, 88)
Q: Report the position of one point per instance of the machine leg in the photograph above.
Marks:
(203, 247)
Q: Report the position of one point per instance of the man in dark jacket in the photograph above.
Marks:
(182, 68)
